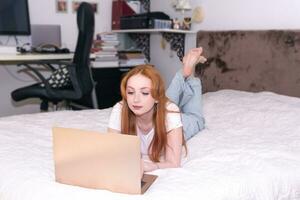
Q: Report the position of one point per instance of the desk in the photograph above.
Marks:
(15, 58)
(33, 57)
(107, 80)
(40, 59)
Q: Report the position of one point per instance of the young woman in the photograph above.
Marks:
(162, 119)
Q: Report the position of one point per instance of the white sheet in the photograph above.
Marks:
(250, 149)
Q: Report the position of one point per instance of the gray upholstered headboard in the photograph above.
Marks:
(251, 61)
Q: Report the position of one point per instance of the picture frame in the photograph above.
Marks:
(61, 6)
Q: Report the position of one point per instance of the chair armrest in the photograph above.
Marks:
(41, 77)
(75, 94)
(50, 64)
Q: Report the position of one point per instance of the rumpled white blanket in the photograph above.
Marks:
(250, 149)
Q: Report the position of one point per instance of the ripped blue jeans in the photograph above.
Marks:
(186, 93)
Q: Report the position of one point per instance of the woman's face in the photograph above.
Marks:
(138, 93)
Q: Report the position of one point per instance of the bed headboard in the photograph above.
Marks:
(251, 61)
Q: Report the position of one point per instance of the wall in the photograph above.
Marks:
(237, 14)
(219, 15)
(254, 14)
(227, 15)
(43, 12)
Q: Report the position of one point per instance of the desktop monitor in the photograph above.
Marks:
(14, 17)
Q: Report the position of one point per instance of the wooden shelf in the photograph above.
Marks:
(153, 31)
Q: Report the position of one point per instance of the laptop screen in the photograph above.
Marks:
(45, 34)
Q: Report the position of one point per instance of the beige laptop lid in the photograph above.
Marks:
(99, 160)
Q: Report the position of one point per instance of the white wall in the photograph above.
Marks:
(44, 12)
(227, 15)
(219, 15)
(254, 14)
(239, 14)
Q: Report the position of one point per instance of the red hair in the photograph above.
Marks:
(128, 122)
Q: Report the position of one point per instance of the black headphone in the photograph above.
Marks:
(50, 48)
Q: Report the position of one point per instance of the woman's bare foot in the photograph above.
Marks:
(190, 60)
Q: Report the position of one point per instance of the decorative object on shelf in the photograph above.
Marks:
(182, 5)
(145, 6)
(198, 15)
(187, 23)
(176, 41)
(143, 42)
(61, 6)
(176, 24)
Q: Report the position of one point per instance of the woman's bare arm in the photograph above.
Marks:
(172, 154)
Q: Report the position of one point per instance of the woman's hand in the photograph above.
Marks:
(172, 158)
(149, 166)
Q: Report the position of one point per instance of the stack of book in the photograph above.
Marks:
(105, 49)
(132, 58)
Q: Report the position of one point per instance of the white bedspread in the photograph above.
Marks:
(250, 149)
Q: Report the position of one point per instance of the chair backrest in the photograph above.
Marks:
(85, 23)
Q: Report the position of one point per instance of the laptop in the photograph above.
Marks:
(99, 160)
(45, 34)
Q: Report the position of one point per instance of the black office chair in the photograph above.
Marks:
(81, 83)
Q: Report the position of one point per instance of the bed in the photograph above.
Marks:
(249, 149)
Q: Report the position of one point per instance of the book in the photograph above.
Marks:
(110, 43)
(100, 53)
(110, 58)
(107, 36)
(105, 56)
(133, 62)
(104, 64)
